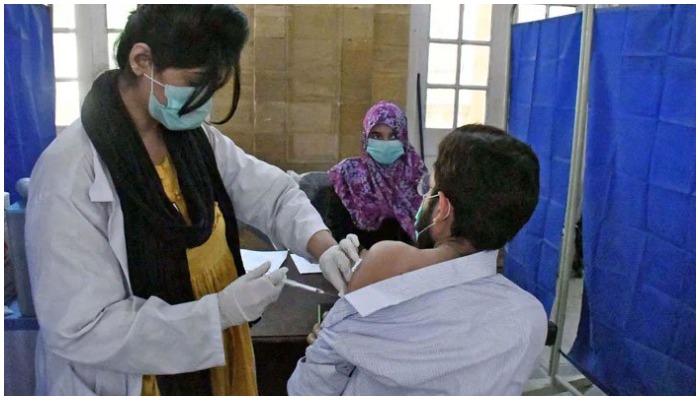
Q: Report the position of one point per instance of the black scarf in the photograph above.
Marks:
(157, 235)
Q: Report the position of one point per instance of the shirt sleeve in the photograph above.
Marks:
(266, 197)
(320, 372)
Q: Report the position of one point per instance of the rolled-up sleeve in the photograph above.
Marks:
(266, 197)
(320, 372)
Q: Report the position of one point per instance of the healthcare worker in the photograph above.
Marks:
(131, 230)
(374, 195)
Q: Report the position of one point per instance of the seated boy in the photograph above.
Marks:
(437, 319)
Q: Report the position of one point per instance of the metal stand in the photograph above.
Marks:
(573, 202)
(556, 383)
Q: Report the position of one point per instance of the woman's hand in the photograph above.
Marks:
(247, 297)
(336, 262)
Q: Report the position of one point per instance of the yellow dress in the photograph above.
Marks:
(211, 269)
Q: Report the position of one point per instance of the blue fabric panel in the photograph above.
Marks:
(544, 70)
(637, 330)
(29, 90)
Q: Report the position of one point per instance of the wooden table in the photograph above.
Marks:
(279, 339)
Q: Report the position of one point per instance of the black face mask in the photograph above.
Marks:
(425, 240)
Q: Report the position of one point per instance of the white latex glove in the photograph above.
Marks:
(336, 262)
(247, 297)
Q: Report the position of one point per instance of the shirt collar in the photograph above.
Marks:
(404, 287)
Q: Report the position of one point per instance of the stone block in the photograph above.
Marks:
(314, 22)
(356, 70)
(248, 57)
(271, 10)
(313, 55)
(317, 118)
(248, 10)
(271, 118)
(270, 27)
(242, 121)
(390, 59)
(350, 146)
(271, 54)
(271, 148)
(356, 55)
(314, 86)
(270, 86)
(357, 22)
(351, 117)
(389, 87)
(224, 96)
(313, 147)
(391, 29)
(246, 86)
(372, 6)
(356, 87)
(402, 9)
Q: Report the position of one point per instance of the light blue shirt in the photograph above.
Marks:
(454, 328)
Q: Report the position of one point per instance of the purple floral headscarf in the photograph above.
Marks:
(372, 192)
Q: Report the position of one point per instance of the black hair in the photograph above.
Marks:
(492, 182)
(210, 37)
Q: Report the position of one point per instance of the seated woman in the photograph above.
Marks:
(374, 194)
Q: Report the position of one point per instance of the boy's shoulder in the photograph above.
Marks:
(384, 260)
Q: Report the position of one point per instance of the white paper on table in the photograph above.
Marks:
(304, 266)
(252, 259)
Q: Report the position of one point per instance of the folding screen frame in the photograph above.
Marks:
(573, 203)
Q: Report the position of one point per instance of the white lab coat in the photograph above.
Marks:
(95, 336)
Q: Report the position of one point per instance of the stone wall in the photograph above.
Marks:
(309, 73)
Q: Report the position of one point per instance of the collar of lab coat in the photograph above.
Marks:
(101, 189)
(404, 287)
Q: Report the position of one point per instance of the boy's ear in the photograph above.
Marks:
(444, 208)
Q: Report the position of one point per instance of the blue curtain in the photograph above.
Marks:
(637, 329)
(29, 90)
(544, 69)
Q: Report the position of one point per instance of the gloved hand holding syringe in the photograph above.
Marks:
(293, 283)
